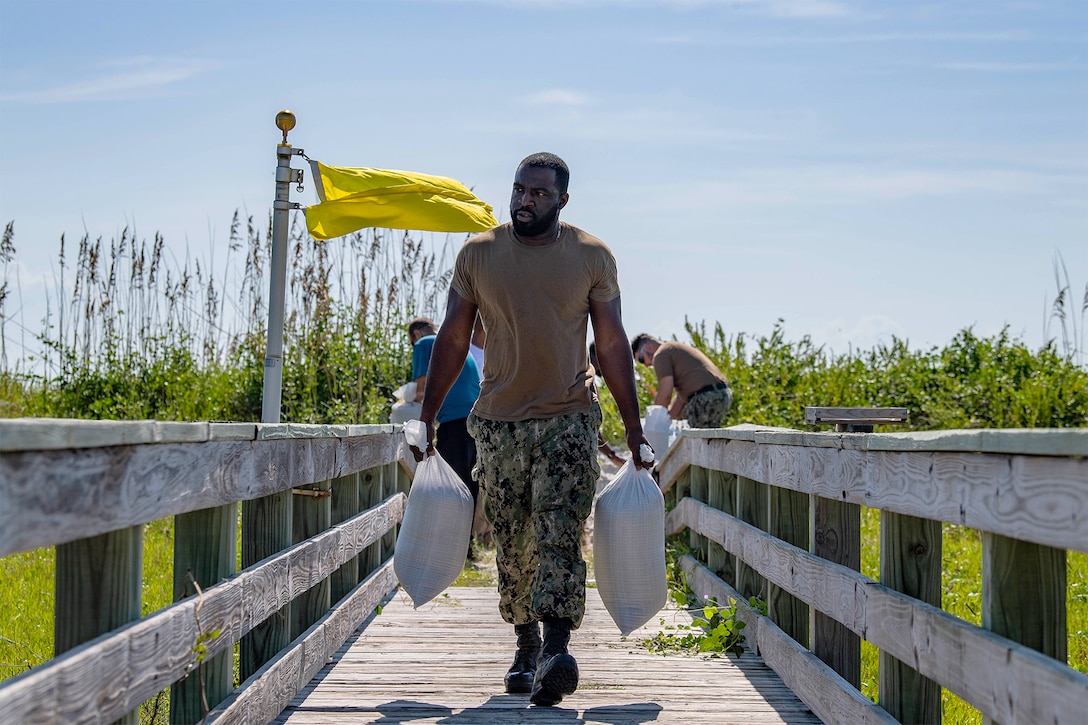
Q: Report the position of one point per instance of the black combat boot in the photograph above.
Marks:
(558, 672)
(519, 679)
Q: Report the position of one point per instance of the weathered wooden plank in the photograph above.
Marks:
(445, 662)
(312, 514)
(1024, 594)
(910, 563)
(345, 505)
(829, 696)
(40, 434)
(285, 431)
(1012, 441)
(205, 553)
(147, 655)
(1041, 499)
(98, 588)
(836, 537)
(266, 531)
(986, 670)
(722, 495)
(752, 502)
(49, 497)
(788, 519)
(698, 490)
(823, 416)
(269, 690)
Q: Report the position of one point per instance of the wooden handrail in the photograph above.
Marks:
(1025, 490)
(79, 484)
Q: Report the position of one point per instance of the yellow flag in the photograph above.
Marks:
(352, 199)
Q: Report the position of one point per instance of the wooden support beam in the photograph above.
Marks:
(910, 562)
(205, 553)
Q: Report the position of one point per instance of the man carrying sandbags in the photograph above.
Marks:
(537, 284)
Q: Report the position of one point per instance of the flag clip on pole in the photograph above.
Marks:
(273, 361)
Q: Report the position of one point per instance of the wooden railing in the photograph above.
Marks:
(88, 488)
(775, 514)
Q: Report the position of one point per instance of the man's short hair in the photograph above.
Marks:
(419, 323)
(639, 340)
(545, 160)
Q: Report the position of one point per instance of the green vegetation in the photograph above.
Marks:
(973, 382)
(131, 333)
(714, 628)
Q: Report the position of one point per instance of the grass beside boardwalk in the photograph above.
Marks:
(961, 596)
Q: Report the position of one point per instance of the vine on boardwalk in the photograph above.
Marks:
(714, 628)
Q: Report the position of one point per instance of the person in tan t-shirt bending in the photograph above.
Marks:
(702, 394)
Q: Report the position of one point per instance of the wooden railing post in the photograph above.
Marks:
(680, 489)
(788, 519)
(751, 509)
(1024, 593)
(722, 496)
(697, 482)
(266, 530)
(836, 536)
(205, 552)
(910, 562)
(345, 504)
(402, 483)
(98, 589)
(312, 515)
(370, 495)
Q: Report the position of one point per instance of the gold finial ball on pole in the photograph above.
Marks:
(285, 121)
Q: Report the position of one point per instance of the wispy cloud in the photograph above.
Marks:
(934, 37)
(557, 97)
(781, 8)
(117, 79)
(825, 185)
(985, 67)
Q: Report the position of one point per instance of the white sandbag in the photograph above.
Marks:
(657, 426)
(629, 546)
(433, 539)
(405, 392)
(404, 411)
(405, 408)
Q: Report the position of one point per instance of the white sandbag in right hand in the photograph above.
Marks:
(433, 538)
(629, 546)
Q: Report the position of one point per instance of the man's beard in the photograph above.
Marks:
(537, 226)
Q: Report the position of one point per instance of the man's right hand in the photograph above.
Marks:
(419, 454)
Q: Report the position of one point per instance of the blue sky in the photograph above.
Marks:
(857, 169)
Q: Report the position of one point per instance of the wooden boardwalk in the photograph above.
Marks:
(444, 663)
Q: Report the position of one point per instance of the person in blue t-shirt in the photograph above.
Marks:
(452, 440)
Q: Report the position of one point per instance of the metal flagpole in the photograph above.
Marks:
(273, 361)
(267, 522)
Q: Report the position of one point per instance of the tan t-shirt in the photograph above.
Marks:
(690, 369)
(534, 302)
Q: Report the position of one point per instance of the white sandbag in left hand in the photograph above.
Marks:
(629, 546)
(433, 538)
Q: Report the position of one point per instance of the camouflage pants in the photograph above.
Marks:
(538, 478)
(708, 410)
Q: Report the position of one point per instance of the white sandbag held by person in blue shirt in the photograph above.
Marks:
(433, 538)
(629, 546)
